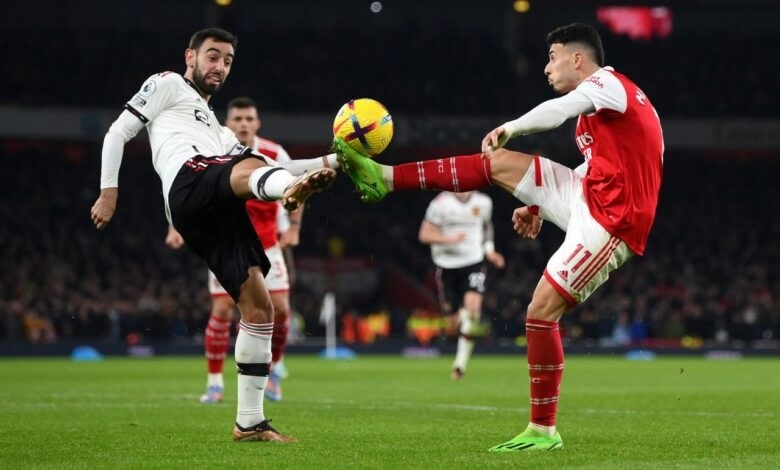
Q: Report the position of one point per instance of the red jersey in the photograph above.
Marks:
(262, 213)
(623, 145)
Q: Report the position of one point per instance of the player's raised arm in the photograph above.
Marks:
(547, 115)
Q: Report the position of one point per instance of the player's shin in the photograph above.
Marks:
(217, 340)
(468, 323)
(457, 174)
(253, 360)
(301, 166)
(545, 371)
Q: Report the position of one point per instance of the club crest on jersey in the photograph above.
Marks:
(475, 211)
(202, 117)
(149, 88)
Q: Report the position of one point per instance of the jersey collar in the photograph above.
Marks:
(197, 90)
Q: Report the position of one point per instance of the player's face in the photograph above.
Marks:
(244, 123)
(211, 64)
(560, 69)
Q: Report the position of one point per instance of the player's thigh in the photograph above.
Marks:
(586, 258)
(552, 187)
(447, 290)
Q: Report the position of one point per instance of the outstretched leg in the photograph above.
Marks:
(460, 173)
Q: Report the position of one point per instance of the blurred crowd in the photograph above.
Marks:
(711, 272)
(420, 68)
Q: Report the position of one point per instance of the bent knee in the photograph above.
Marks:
(508, 167)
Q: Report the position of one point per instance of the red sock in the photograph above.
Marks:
(279, 337)
(545, 369)
(217, 340)
(457, 174)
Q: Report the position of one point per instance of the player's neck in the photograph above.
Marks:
(191, 82)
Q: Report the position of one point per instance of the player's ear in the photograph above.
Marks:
(577, 58)
(189, 58)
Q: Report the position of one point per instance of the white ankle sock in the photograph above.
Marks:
(549, 430)
(215, 380)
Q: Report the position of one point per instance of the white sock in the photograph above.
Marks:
(298, 167)
(465, 345)
(269, 182)
(549, 430)
(253, 346)
(215, 380)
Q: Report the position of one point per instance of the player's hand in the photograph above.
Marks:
(494, 140)
(457, 237)
(174, 238)
(104, 208)
(496, 258)
(290, 238)
(526, 221)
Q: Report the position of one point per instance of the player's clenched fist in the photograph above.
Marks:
(104, 207)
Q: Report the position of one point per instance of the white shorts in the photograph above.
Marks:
(588, 253)
(277, 279)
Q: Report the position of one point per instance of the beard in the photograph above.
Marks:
(200, 81)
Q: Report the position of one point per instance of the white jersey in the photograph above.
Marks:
(452, 216)
(180, 124)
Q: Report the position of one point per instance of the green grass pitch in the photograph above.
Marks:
(390, 412)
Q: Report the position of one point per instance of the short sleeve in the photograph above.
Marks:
(605, 91)
(156, 94)
(488, 209)
(434, 214)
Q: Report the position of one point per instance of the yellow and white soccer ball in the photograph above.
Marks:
(365, 124)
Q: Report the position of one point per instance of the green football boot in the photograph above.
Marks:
(530, 440)
(364, 172)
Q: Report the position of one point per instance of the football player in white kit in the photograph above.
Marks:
(270, 220)
(459, 229)
(207, 175)
(606, 206)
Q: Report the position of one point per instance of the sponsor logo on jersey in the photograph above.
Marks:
(594, 80)
(202, 117)
(564, 275)
(583, 140)
(149, 88)
(138, 101)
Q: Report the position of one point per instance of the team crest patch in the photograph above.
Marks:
(475, 211)
(202, 117)
(149, 88)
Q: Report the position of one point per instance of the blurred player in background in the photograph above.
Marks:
(207, 175)
(606, 206)
(459, 228)
(269, 220)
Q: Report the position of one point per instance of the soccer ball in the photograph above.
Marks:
(365, 125)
